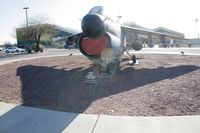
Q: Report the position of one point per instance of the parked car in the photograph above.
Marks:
(1, 49)
(73, 46)
(14, 50)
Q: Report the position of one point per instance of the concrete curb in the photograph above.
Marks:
(22, 119)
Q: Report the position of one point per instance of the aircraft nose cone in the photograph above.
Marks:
(92, 25)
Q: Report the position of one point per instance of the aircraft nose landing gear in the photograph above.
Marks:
(109, 69)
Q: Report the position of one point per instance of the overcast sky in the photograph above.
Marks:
(177, 15)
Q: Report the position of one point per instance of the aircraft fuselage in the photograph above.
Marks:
(101, 40)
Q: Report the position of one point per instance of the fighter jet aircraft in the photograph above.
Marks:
(103, 40)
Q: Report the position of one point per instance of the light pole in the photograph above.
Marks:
(197, 28)
(27, 46)
(26, 8)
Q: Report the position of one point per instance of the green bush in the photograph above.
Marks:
(39, 49)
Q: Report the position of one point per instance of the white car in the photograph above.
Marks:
(14, 50)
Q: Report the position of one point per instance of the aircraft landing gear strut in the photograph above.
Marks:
(132, 57)
(110, 68)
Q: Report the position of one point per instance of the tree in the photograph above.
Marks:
(130, 23)
(7, 44)
(38, 28)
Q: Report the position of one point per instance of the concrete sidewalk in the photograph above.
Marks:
(20, 119)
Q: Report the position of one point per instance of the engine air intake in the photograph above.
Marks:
(92, 47)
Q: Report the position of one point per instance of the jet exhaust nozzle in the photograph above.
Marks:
(92, 25)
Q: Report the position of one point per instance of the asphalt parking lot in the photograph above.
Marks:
(7, 58)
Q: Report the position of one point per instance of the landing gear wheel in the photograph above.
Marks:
(133, 58)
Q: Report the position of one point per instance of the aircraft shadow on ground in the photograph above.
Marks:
(65, 90)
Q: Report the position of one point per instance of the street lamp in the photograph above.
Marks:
(26, 8)
(197, 28)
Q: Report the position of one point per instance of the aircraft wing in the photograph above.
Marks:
(66, 38)
(147, 31)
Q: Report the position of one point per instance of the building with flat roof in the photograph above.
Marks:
(45, 39)
(161, 41)
(168, 31)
